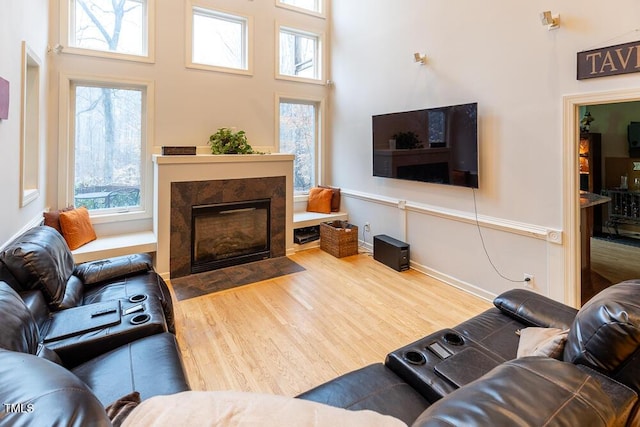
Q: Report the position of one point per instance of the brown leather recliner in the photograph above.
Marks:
(40, 259)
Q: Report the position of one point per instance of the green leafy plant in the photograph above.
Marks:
(227, 141)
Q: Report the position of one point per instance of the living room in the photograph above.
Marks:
(522, 211)
(521, 74)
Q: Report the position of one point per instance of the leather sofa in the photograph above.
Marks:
(40, 259)
(77, 338)
(32, 373)
(470, 375)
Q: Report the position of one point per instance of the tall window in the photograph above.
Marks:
(218, 40)
(299, 134)
(108, 146)
(114, 26)
(299, 54)
(314, 6)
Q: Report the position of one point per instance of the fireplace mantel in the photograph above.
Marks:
(169, 169)
(222, 158)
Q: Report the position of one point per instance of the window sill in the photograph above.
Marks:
(116, 245)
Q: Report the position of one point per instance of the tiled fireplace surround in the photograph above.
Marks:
(185, 195)
(185, 181)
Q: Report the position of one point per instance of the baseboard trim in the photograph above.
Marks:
(452, 281)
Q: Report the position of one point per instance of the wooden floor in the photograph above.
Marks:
(611, 263)
(289, 334)
(614, 261)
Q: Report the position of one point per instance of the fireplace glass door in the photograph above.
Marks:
(229, 234)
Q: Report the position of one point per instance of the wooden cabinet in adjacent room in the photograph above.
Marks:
(591, 171)
(590, 162)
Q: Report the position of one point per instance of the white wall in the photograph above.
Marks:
(499, 55)
(20, 20)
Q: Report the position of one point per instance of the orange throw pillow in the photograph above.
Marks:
(319, 200)
(76, 226)
(335, 199)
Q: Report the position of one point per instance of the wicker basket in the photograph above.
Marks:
(339, 238)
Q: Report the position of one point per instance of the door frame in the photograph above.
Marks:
(571, 185)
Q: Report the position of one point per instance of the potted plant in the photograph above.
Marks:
(228, 141)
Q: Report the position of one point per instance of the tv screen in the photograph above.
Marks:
(438, 145)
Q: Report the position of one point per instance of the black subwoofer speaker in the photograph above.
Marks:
(391, 252)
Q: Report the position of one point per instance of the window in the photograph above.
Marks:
(313, 6)
(108, 28)
(219, 41)
(30, 126)
(299, 134)
(107, 169)
(299, 54)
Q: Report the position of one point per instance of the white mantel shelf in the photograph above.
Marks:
(221, 158)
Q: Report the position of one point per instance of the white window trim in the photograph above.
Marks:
(320, 52)
(322, 14)
(189, 6)
(66, 153)
(320, 130)
(65, 21)
(30, 97)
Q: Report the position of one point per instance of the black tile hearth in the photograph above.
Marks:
(196, 285)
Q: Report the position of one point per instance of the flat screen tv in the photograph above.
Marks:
(438, 145)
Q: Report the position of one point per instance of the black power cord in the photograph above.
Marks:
(484, 247)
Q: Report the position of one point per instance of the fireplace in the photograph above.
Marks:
(253, 207)
(227, 234)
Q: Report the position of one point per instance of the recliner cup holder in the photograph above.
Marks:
(139, 319)
(415, 358)
(453, 339)
(137, 298)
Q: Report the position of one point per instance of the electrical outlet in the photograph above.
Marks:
(528, 281)
(367, 227)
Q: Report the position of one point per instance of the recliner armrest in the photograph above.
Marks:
(93, 272)
(535, 309)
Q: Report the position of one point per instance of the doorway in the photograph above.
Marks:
(611, 259)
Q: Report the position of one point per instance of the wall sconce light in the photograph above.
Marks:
(422, 59)
(552, 22)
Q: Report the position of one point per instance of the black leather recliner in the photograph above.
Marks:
(40, 259)
(596, 382)
(59, 394)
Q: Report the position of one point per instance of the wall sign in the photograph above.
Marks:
(4, 99)
(609, 61)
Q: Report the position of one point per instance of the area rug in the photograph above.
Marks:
(222, 279)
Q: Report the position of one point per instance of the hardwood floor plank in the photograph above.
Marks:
(615, 261)
(289, 334)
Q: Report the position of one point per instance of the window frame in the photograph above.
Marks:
(30, 116)
(320, 132)
(66, 20)
(322, 13)
(319, 53)
(66, 150)
(190, 6)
